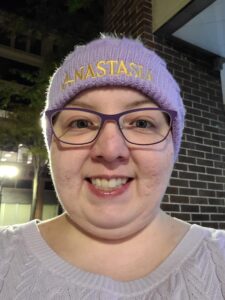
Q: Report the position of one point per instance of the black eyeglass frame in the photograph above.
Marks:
(108, 117)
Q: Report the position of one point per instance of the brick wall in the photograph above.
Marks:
(197, 189)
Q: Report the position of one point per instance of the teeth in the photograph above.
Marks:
(105, 184)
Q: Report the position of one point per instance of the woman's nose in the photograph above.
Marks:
(110, 144)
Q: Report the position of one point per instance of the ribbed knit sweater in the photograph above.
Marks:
(29, 269)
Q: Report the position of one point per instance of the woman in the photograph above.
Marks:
(113, 125)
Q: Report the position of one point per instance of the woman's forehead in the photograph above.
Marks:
(117, 96)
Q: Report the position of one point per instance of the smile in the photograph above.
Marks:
(108, 184)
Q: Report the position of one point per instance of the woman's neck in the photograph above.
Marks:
(125, 259)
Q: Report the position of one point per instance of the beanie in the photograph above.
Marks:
(112, 61)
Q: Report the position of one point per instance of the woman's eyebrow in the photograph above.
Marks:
(136, 103)
(131, 105)
(78, 103)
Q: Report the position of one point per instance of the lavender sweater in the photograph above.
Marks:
(29, 269)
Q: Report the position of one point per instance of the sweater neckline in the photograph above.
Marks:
(76, 276)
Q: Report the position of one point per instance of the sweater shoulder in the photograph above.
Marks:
(216, 240)
(215, 246)
(8, 235)
(11, 240)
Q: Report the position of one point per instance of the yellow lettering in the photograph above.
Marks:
(137, 71)
(101, 68)
(140, 73)
(79, 74)
(122, 69)
(112, 64)
(67, 80)
(149, 75)
(133, 67)
(90, 72)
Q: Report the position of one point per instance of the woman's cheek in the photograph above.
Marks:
(156, 171)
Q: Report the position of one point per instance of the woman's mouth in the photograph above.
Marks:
(108, 185)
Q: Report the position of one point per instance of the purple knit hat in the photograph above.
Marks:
(112, 61)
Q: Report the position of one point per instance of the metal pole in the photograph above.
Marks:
(1, 190)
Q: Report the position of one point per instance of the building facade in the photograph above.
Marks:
(197, 188)
(23, 50)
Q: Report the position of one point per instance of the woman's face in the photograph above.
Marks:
(138, 175)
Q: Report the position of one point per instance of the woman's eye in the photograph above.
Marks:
(143, 124)
(80, 124)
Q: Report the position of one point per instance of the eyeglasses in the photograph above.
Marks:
(144, 126)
